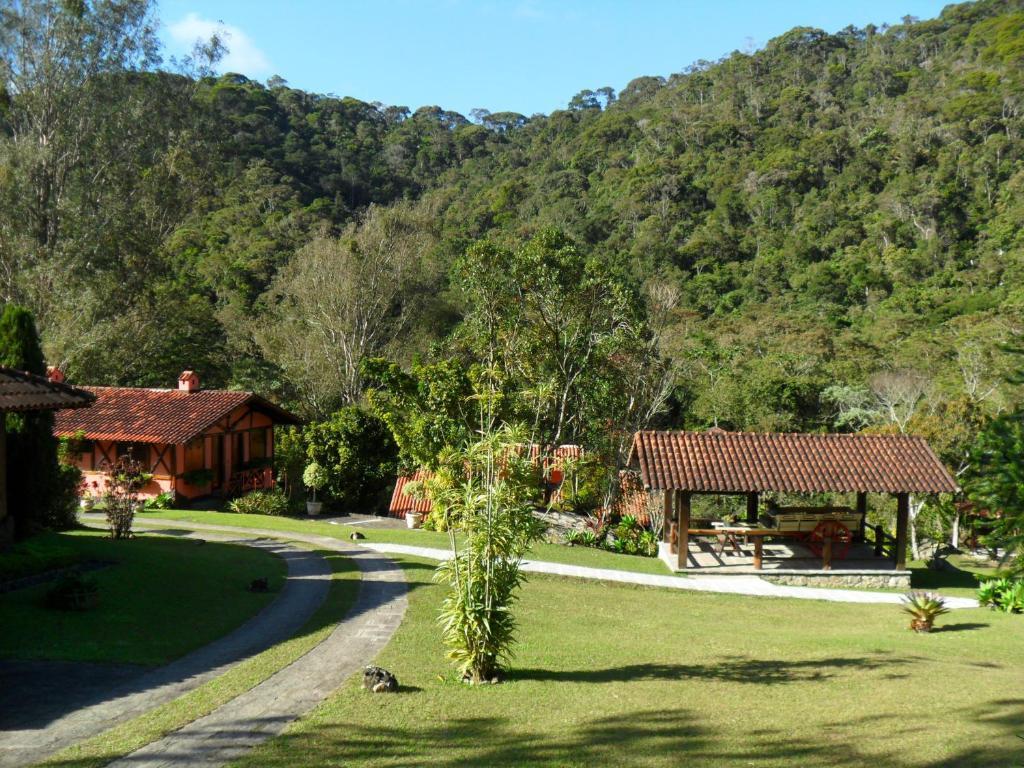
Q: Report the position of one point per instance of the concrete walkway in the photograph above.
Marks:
(43, 723)
(262, 712)
(736, 585)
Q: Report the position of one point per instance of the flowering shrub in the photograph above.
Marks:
(125, 478)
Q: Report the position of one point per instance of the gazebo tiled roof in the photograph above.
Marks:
(21, 391)
(170, 416)
(742, 462)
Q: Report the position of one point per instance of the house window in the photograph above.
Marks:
(257, 445)
(138, 451)
(195, 454)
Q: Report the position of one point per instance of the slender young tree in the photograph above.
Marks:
(482, 494)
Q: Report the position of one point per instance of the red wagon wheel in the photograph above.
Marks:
(830, 529)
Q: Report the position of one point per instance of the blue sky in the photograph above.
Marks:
(521, 55)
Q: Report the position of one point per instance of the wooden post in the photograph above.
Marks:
(862, 510)
(902, 524)
(879, 543)
(666, 533)
(752, 499)
(6, 523)
(758, 551)
(683, 525)
(826, 555)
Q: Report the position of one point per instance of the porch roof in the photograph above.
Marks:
(159, 415)
(21, 391)
(743, 462)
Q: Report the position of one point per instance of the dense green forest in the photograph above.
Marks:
(823, 234)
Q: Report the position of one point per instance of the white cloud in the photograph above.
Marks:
(243, 56)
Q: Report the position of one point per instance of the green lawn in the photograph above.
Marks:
(607, 674)
(161, 598)
(47, 551)
(127, 737)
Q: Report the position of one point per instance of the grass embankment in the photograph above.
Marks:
(157, 723)
(607, 674)
(160, 598)
(960, 580)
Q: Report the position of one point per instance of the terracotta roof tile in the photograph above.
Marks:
(402, 503)
(744, 462)
(21, 391)
(157, 415)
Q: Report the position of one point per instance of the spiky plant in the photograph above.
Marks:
(924, 608)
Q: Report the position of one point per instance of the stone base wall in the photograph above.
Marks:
(855, 579)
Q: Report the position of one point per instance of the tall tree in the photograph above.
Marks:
(37, 488)
(342, 300)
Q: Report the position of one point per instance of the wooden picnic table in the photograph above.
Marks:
(732, 534)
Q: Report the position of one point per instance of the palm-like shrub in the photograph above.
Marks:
(482, 496)
(924, 608)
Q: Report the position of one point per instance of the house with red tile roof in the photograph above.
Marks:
(195, 442)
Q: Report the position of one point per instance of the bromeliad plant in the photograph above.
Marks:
(924, 608)
(482, 495)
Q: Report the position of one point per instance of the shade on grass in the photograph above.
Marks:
(121, 740)
(607, 674)
(161, 598)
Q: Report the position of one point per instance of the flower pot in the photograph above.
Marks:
(413, 519)
(87, 503)
(921, 625)
(314, 507)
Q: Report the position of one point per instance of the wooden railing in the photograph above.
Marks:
(885, 545)
(257, 478)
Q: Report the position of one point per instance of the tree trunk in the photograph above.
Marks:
(915, 510)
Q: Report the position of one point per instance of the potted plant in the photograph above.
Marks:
(413, 519)
(314, 478)
(923, 608)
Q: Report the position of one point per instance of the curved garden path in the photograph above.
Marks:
(752, 586)
(264, 710)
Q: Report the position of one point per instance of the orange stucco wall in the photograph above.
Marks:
(167, 462)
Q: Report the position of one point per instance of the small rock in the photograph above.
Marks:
(379, 680)
(356, 536)
(259, 585)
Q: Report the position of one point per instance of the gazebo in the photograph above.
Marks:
(22, 392)
(686, 464)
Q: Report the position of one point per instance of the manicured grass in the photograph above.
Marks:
(161, 598)
(157, 723)
(554, 553)
(45, 552)
(959, 578)
(607, 674)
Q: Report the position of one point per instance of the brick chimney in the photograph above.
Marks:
(188, 381)
(54, 374)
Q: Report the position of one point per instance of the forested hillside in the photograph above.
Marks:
(822, 234)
